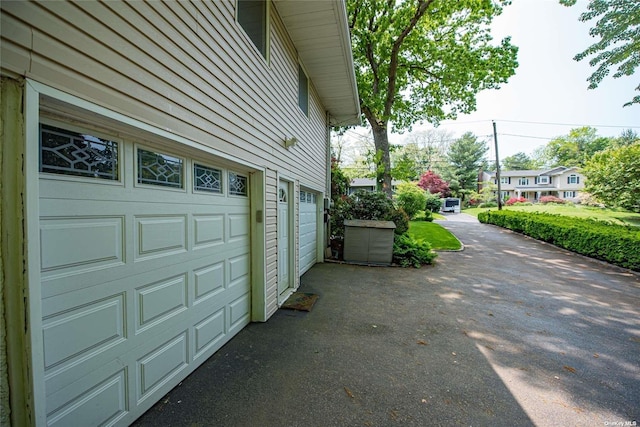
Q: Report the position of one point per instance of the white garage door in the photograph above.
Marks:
(308, 230)
(145, 272)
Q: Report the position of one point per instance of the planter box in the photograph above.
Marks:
(368, 241)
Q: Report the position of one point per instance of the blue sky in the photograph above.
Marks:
(549, 86)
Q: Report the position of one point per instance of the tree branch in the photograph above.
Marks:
(423, 6)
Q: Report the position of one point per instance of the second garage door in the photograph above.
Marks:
(145, 266)
(308, 230)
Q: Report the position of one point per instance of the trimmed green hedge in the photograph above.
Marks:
(617, 244)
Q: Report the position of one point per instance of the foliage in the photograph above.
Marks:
(339, 181)
(551, 199)
(410, 197)
(616, 244)
(519, 161)
(618, 30)
(514, 200)
(409, 252)
(339, 213)
(423, 60)
(627, 137)
(487, 194)
(406, 168)
(575, 148)
(400, 219)
(371, 205)
(613, 216)
(433, 183)
(466, 156)
(433, 203)
(613, 176)
(428, 216)
(485, 205)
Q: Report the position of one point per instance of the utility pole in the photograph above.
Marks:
(495, 140)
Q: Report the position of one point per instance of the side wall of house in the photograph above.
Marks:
(184, 67)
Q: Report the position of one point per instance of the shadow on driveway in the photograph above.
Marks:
(508, 332)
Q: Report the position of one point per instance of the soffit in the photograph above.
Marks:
(320, 33)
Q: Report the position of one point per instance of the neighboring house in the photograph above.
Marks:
(367, 184)
(565, 183)
(164, 167)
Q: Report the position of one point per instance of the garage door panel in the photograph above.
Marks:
(80, 244)
(67, 338)
(157, 236)
(209, 333)
(239, 313)
(208, 230)
(209, 281)
(102, 402)
(161, 365)
(157, 302)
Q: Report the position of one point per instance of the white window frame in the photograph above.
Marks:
(523, 181)
(569, 194)
(542, 180)
(573, 179)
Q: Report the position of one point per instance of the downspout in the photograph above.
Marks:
(327, 197)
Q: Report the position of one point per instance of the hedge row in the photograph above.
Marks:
(617, 244)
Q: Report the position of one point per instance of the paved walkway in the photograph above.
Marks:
(508, 332)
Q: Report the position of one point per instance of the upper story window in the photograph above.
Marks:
(523, 181)
(542, 180)
(573, 179)
(505, 180)
(252, 16)
(303, 91)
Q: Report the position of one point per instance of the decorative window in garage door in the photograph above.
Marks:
(238, 184)
(159, 169)
(207, 179)
(72, 153)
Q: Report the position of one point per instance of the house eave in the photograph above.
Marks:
(320, 32)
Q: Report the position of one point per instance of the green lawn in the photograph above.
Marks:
(439, 237)
(610, 215)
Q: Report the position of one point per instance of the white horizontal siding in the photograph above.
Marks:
(186, 67)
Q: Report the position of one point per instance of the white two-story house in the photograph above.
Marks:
(562, 182)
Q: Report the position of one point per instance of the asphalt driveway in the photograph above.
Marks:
(508, 332)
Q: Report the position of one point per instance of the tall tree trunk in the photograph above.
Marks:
(383, 170)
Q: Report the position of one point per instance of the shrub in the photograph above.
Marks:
(400, 219)
(551, 199)
(370, 205)
(488, 205)
(408, 251)
(428, 216)
(411, 198)
(366, 205)
(514, 200)
(617, 244)
(433, 203)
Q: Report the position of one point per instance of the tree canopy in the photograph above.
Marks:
(466, 158)
(613, 177)
(618, 30)
(519, 161)
(421, 60)
(575, 148)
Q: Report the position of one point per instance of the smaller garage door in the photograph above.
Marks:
(308, 230)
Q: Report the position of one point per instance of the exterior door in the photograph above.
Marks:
(284, 238)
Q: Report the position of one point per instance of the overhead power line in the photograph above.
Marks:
(570, 124)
